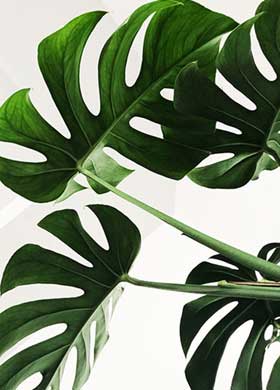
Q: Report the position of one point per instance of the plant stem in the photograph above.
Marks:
(226, 290)
(236, 255)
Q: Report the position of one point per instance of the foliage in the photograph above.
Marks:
(181, 36)
(196, 31)
(254, 142)
(32, 265)
(248, 373)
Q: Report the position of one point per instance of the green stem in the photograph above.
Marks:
(226, 290)
(236, 255)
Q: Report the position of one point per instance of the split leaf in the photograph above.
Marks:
(209, 353)
(100, 284)
(179, 32)
(255, 140)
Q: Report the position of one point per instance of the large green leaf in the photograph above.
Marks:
(178, 33)
(257, 147)
(207, 356)
(32, 265)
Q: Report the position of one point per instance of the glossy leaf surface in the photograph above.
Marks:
(209, 353)
(253, 133)
(178, 33)
(33, 264)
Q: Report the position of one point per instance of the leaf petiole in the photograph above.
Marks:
(236, 255)
(223, 289)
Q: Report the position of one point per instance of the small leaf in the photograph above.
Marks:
(72, 188)
(32, 264)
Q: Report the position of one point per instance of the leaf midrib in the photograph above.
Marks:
(131, 107)
(41, 142)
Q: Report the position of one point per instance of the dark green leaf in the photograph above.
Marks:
(256, 148)
(209, 353)
(178, 33)
(32, 264)
(267, 249)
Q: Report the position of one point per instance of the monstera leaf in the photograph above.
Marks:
(178, 33)
(255, 141)
(248, 373)
(32, 264)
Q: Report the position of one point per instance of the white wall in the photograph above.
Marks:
(144, 351)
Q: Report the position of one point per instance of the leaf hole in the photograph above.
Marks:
(47, 333)
(231, 355)
(262, 63)
(273, 250)
(42, 292)
(62, 248)
(209, 324)
(89, 63)
(234, 93)
(223, 263)
(43, 102)
(146, 126)
(120, 159)
(168, 94)
(69, 372)
(31, 383)
(20, 153)
(135, 55)
(81, 179)
(215, 158)
(268, 332)
(229, 129)
(93, 227)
